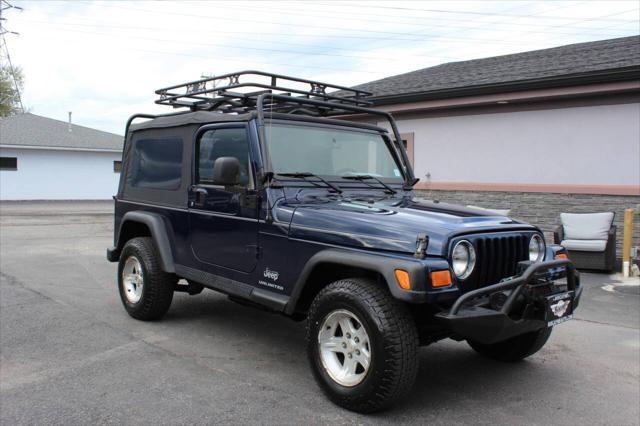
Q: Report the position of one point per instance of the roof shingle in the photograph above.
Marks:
(553, 63)
(32, 130)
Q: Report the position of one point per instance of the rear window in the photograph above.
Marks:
(157, 164)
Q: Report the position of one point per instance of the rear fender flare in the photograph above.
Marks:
(161, 232)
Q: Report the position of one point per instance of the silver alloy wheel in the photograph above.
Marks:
(132, 279)
(344, 347)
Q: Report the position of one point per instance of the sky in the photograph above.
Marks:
(103, 60)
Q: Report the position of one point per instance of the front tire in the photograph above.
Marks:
(145, 289)
(362, 345)
(515, 348)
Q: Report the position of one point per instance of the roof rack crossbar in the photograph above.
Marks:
(169, 97)
(234, 79)
(207, 94)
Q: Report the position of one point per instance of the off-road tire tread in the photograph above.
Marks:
(158, 285)
(399, 335)
(515, 349)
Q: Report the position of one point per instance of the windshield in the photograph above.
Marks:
(329, 152)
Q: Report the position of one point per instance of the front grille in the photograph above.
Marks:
(497, 257)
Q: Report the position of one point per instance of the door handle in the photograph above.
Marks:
(201, 194)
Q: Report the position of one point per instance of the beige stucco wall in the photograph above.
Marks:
(583, 145)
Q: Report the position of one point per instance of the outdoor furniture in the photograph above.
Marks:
(590, 239)
(499, 212)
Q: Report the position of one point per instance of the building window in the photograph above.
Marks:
(117, 166)
(8, 163)
(407, 141)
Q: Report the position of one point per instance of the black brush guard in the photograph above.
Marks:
(510, 308)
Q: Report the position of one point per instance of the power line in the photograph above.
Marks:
(306, 66)
(210, 57)
(581, 20)
(537, 15)
(229, 46)
(484, 24)
(425, 37)
(422, 39)
(386, 33)
(233, 18)
(288, 24)
(283, 51)
(316, 13)
(446, 36)
(394, 39)
(460, 12)
(190, 42)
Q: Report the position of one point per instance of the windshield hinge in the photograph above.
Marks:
(422, 242)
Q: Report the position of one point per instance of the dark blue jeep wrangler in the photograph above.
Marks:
(270, 195)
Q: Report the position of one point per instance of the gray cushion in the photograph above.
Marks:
(586, 226)
(584, 245)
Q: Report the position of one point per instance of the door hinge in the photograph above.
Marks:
(253, 248)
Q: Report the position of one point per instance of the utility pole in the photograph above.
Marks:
(5, 5)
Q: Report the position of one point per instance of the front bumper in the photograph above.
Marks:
(510, 308)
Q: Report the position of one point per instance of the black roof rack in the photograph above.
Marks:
(275, 94)
(238, 93)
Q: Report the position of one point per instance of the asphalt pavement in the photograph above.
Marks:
(69, 354)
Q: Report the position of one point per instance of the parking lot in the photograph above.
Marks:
(71, 355)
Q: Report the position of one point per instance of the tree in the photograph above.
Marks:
(11, 83)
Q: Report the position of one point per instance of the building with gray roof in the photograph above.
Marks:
(43, 158)
(539, 132)
(575, 64)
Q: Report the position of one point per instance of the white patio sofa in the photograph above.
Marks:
(590, 239)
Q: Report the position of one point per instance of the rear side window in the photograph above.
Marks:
(157, 164)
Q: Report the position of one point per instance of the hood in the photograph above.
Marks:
(390, 224)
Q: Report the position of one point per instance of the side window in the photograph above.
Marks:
(217, 143)
(157, 164)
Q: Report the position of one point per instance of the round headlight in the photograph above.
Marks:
(536, 248)
(463, 259)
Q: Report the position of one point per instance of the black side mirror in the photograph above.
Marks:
(226, 171)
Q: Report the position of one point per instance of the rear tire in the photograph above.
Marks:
(145, 289)
(362, 345)
(515, 348)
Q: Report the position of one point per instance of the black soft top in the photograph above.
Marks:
(189, 118)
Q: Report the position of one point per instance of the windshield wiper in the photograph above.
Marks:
(304, 175)
(369, 177)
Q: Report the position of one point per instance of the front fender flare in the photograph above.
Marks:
(383, 264)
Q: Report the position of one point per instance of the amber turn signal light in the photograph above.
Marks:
(561, 256)
(403, 279)
(440, 278)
